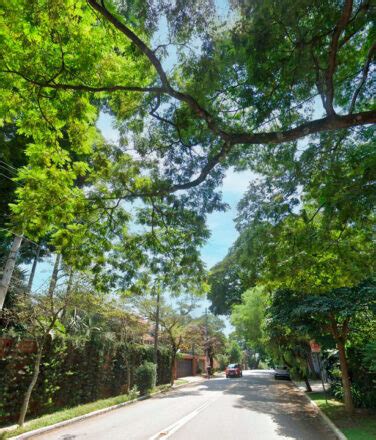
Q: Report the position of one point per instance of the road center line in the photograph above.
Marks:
(167, 432)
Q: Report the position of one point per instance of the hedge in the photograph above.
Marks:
(72, 375)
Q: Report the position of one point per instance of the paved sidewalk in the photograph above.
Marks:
(190, 379)
(316, 385)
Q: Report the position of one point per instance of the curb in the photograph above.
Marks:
(38, 431)
(339, 434)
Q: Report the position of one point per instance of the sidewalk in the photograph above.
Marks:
(189, 379)
(316, 385)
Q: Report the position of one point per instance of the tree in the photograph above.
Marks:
(287, 345)
(39, 317)
(234, 352)
(226, 281)
(173, 321)
(248, 318)
(205, 335)
(327, 313)
(205, 100)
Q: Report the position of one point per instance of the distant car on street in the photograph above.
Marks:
(234, 370)
(282, 372)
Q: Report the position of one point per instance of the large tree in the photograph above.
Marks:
(330, 313)
(247, 84)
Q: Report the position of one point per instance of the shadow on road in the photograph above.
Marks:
(259, 392)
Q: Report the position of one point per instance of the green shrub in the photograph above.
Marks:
(363, 398)
(146, 377)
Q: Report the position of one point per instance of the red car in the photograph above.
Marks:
(234, 370)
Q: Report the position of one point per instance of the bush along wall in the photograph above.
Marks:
(146, 377)
(71, 375)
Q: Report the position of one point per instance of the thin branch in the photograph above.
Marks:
(85, 88)
(366, 67)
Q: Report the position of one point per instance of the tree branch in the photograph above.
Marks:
(84, 87)
(329, 123)
(364, 77)
(332, 62)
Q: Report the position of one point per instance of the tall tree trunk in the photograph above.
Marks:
(55, 273)
(26, 400)
(33, 269)
(128, 368)
(70, 283)
(156, 331)
(172, 367)
(8, 269)
(256, 363)
(347, 397)
(307, 384)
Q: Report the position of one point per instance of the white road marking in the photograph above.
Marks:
(167, 432)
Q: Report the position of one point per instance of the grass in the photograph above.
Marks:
(180, 382)
(70, 413)
(359, 426)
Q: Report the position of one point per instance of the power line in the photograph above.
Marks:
(9, 170)
(9, 178)
(9, 165)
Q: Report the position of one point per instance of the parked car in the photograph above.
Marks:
(234, 370)
(282, 372)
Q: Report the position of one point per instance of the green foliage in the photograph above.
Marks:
(336, 389)
(72, 375)
(248, 317)
(226, 285)
(234, 352)
(146, 375)
(369, 355)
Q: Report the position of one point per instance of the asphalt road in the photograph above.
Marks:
(254, 407)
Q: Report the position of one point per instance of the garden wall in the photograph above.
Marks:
(70, 374)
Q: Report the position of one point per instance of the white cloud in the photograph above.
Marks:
(237, 182)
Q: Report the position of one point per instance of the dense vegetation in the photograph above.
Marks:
(280, 88)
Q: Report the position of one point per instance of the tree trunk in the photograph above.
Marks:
(307, 384)
(256, 363)
(8, 269)
(172, 368)
(55, 272)
(70, 283)
(32, 273)
(156, 331)
(347, 397)
(26, 400)
(127, 366)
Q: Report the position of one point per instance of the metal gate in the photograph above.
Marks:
(184, 367)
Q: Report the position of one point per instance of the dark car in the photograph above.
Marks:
(234, 370)
(282, 373)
